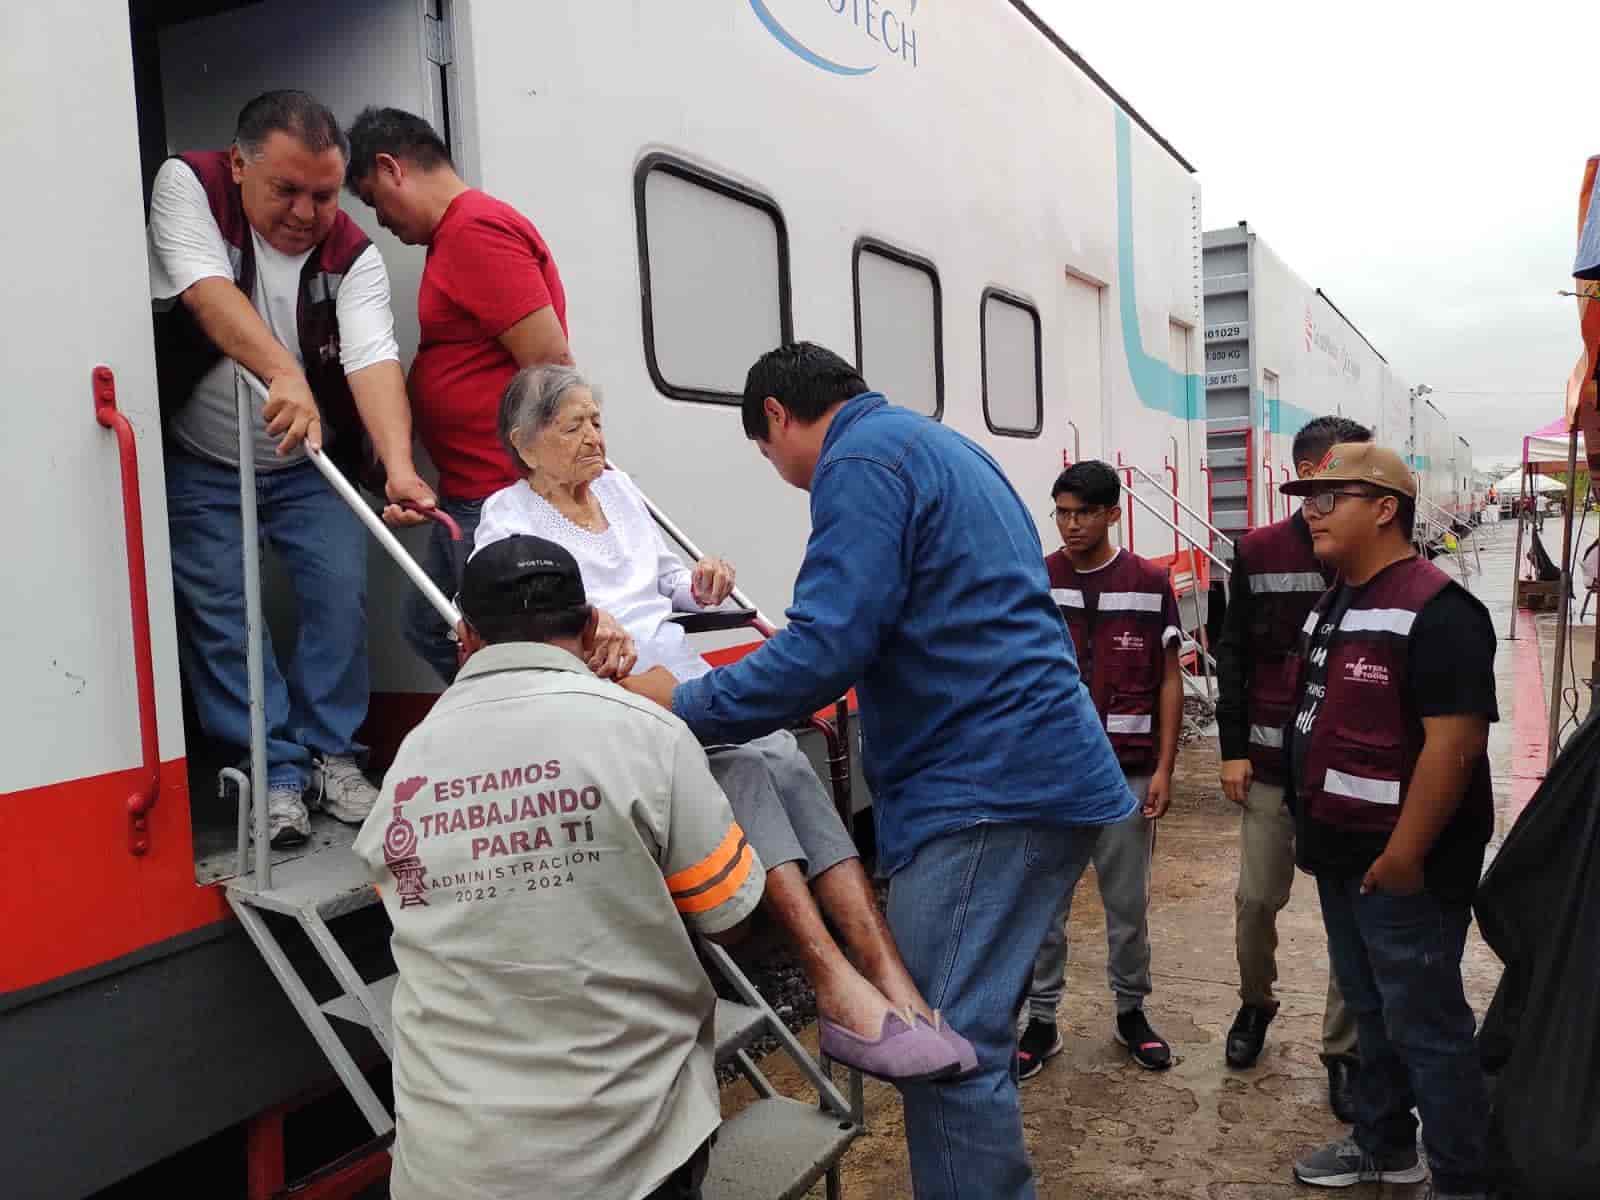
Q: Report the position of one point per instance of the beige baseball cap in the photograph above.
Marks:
(1357, 462)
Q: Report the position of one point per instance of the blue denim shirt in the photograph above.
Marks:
(924, 585)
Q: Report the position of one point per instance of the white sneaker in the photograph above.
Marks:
(288, 823)
(341, 790)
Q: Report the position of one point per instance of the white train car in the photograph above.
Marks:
(1435, 456)
(946, 192)
(1278, 354)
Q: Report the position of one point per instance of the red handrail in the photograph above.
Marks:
(144, 795)
(436, 514)
(1177, 521)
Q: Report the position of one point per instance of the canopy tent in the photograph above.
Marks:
(1511, 485)
(1544, 450)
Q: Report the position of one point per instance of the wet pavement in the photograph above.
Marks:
(1100, 1127)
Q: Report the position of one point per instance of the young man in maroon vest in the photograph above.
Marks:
(1276, 580)
(252, 262)
(1123, 618)
(490, 303)
(1389, 783)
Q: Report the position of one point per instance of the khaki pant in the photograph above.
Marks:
(1266, 873)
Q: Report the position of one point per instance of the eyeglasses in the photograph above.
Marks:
(1322, 503)
(1072, 516)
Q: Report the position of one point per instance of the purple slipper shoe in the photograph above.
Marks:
(901, 1053)
(966, 1056)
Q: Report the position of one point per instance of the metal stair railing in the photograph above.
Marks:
(775, 1149)
(1437, 526)
(1202, 688)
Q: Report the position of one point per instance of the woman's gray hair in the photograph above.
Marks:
(531, 401)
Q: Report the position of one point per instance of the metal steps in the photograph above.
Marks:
(773, 1150)
(777, 1140)
(330, 883)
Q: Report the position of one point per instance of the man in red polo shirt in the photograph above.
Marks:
(490, 303)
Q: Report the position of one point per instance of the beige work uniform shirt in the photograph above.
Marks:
(541, 840)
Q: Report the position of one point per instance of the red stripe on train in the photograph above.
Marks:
(74, 897)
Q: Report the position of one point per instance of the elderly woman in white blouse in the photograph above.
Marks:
(870, 1010)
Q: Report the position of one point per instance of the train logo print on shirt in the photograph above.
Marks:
(400, 847)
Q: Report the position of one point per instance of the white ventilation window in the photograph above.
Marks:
(714, 279)
(1013, 390)
(899, 327)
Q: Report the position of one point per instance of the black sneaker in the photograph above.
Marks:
(1149, 1048)
(1342, 1087)
(1039, 1043)
(1248, 1035)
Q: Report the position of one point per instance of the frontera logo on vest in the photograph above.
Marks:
(1128, 641)
(843, 37)
(1362, 671)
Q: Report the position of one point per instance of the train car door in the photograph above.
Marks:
(349, 55)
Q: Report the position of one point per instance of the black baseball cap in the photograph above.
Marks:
(495, 582)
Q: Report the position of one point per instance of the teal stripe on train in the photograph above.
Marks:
(1154, 380)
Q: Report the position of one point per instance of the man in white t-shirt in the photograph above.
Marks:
(252, 262)
(542, 840)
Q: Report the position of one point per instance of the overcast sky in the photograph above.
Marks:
(1417, 161)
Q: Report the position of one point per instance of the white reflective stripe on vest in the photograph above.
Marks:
(1310, 626)
(1127, 723)
(1287, 581)
(1070, 597)
(1266, 735)
(1378, 620)
(1130, 602)
(1373, 791)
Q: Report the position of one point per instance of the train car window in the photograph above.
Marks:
(1013, 375)
(899, 325)
(713, 278)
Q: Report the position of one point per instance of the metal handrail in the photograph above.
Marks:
(762, 623)
(148, 788)
(1201, 650)
(254, 624)
(252, 582)
(1183, 533)
(1212, 528)
(375, 525)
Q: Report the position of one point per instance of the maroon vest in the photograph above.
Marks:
(1366, 741)
(1116, 617)
(184, 353)
(1285, 582)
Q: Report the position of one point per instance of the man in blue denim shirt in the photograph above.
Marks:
(924, 586)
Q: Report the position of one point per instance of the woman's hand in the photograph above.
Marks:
(712, 581)
(612, 654)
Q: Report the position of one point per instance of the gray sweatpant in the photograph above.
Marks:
(780, 803)
(1122, 869)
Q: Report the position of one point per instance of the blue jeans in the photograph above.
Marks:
(318, 700)
(426, 630)
(969, 912)
(1398, 959)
